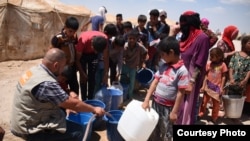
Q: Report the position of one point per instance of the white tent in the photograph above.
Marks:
(27, 26)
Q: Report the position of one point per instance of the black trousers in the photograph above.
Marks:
(72, 80)
(89, 65)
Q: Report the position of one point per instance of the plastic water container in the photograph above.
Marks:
(141, 123)
(117, 98)
(116, 85)
(145, 76)
(113, 117)
(104, 95)
(98, 122)
(83, 119)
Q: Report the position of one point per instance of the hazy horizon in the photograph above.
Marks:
(220, 13)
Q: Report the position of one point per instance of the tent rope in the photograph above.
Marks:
(58, 16)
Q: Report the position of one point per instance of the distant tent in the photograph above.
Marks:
(170, 22)
(27, 26)
(110, 18)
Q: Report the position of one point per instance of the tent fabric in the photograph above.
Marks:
(27, 26)
(44, 6)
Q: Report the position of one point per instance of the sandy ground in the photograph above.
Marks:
(10, 72)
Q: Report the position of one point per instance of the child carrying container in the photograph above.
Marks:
(168, 89)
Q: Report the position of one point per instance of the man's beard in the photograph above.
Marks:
(56, 73)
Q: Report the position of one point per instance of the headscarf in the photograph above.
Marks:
(102, 11)
(229, 31)
(190, 28)
(205, 22)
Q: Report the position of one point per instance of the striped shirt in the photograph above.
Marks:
(171, 78)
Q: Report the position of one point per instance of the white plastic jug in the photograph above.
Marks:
(136, 124)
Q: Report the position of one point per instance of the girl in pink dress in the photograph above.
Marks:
(214, 82)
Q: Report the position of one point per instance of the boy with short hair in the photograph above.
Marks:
(134, 56)
(143, 38)
(127, 27)
(93, 56)
(66, 40)
(116, 57)
(119, 24)
(167, 88)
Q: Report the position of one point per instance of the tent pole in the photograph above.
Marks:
(59, 16)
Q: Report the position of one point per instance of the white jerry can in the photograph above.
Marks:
(137, 124)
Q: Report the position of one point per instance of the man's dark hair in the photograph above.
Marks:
(110, 29)
(72, 22)
(169, 43)
(142, 18)
(119, 15)
(134, 33)
(154, 12)
(119, 40)
(99, 43)
(127, 24)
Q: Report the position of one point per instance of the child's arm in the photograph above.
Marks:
(223, 82)
(174, 112)
(245, 80)
(106, 66)
(119, 65)
(150, 91)
(143, 59)
(84, 27)
(204, 84)
(205, 78)
(229, 54)
(231, 79)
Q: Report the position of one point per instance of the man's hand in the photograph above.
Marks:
(99, 111)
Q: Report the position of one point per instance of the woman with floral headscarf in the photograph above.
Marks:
(226, 43)
(194, 46)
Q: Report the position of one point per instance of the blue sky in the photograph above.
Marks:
(220, 12)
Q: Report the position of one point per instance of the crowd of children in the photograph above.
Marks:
(193, 61)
